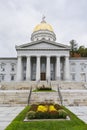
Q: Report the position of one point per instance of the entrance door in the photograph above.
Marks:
(43, 76)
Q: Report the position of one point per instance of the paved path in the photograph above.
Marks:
(7, 114)
(80, 111)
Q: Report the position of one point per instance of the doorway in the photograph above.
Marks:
(43, 76)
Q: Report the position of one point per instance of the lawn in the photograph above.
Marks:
(73, 124)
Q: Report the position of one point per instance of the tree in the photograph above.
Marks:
(73, 45)
(81, 51)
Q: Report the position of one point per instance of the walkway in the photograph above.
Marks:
(7, 114)
(80, 111)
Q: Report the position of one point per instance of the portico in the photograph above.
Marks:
(43, 68)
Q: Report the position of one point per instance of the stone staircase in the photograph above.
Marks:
(48, 97)
(17, 93)
(14, 97)
(74, 97)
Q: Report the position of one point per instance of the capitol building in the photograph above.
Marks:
(43, 59)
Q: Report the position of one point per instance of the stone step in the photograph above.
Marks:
(50, 97)
(74, 97)
(20, 97)
(26, 85)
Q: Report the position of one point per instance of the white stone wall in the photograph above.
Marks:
(78, 68)
(7, 63)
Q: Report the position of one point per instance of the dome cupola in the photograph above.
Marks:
(43, 31)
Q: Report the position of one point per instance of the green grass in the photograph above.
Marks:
(73, 124)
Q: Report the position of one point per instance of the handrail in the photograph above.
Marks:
(29, 95)
(60, 95)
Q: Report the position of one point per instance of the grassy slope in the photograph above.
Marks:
(73, 124)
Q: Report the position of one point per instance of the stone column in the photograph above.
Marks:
(58, 68)
(38, 68)
(19, 68)
(28, 72)
(48, 68)
(66, 69)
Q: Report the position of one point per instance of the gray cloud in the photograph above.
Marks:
(18, 18)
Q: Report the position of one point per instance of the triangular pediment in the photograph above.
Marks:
(42, 45)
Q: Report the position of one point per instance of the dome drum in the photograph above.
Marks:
(47, 35)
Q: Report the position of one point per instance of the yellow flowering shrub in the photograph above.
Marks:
(52, 108)
(42, 108)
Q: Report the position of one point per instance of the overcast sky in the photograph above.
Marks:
(18, 18)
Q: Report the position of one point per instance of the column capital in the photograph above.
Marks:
(28, 56)
(48, 56)
(19, 56)
(66, 56)
(38, 56)
(57, 56)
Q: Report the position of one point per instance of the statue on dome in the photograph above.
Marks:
(43, 19)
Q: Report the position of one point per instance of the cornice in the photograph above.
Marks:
(38, 42)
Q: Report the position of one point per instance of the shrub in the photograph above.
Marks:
(57, 106)
(33, 107)
(31, 115)
(42, 115)
(54, 115)
(62, 113)
(44, 88)
(39, 115)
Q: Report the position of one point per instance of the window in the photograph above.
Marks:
(73, 77)
(2, 67)
(12, 77)
(24, 68)
(34, 67)
(24, 76)
(83, 77)
(61, 66)
(83, 66)
(73, 68)
(2, 77)
(12, 67)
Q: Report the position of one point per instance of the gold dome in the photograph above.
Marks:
(43, 26)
